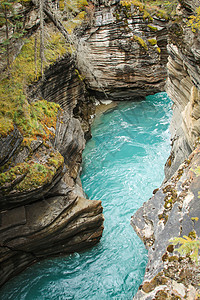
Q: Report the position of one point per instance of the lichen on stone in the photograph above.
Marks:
(31, 174)
(141, 42)
(152, 42)
(152, 28)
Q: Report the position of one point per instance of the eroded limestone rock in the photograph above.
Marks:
(52, 226)
(183, 85)
(175, 208)
(45, 213)
(170, 212)
(114, 62)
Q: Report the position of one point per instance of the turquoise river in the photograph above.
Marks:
(122, 164)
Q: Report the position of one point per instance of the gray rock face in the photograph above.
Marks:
(49, 215)
(123, 55)
(9, 144)
(64, 86)
(52, 226)
(183, 85)
(70, 142)
(174, 209)
(166, 215)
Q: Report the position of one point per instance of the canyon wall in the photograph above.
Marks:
(183, 86)
(43, 211)
(123, 53)
(174, 209)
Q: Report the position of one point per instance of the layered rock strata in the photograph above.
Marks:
(170, 213)
(123, 55)
(64, 86)
(183, 88)
(175, 208)
(183, 85)
(43, 211)
(54, 225)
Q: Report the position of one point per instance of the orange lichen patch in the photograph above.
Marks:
(46, 112)
(27, 141)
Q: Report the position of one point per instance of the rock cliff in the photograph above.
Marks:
(173, 211)
(125, 51)
(43, 211)
(170, 213)
(183, 87)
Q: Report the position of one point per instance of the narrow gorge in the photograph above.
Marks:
(125, 51)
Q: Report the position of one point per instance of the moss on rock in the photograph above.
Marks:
(152, 28)
(31, 174)
(152, 42)
(159, 279)
(14, 107)
(35, 121)
(140, 41)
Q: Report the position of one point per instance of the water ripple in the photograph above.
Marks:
(122, 164)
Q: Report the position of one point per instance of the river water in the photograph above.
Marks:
(122, 164)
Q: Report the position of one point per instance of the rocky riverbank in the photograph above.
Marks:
(174, 210)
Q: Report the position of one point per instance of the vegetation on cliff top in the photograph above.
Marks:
(149, 8)
(35, 120)
(26, 68)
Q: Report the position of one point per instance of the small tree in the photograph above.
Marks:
(6, 7)
(14, 27)
(41, 9)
